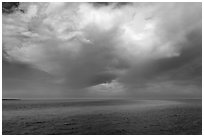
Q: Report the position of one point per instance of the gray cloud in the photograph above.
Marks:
(108, 49)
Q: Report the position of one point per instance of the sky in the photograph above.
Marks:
(102, 50)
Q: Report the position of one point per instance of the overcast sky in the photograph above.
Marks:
(102, 50)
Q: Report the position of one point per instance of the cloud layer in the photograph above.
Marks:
(113, 49)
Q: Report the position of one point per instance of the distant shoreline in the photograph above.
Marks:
(97, 99)
(10, 99)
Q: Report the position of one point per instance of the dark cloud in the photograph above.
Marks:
(10, 7)
(116, 4)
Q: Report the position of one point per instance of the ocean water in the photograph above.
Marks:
(102, 116)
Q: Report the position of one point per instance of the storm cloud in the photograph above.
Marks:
(142, 50)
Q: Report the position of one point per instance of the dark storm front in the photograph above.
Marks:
(102, 68)
(102, 117)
